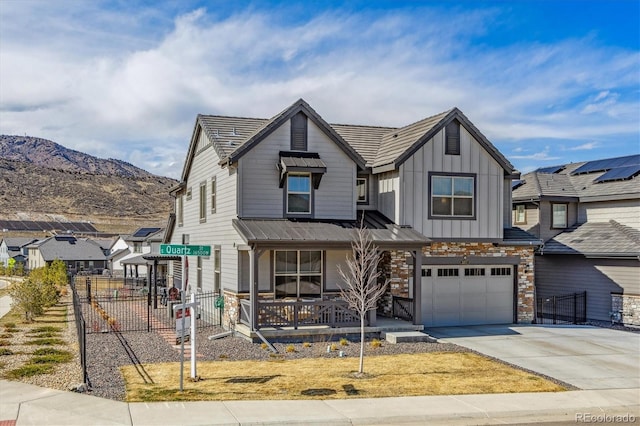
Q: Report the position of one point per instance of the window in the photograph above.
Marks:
(473, 272)
(216, 268)
(180, 210)
(299, 132)
(452, 196)
(188, 193)
(559, 216)
(299, 193)
(426, 272)
(203, 201)
(199, 273)
(452, 138)
(185, 239)
(521, 215)
(298, 273)
(500, 272)
(137, 247)
(213, 194)
(447, 272)
(362, 189)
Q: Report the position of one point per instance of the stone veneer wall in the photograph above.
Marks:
(231, 314)
(628, 306)
(401, 271)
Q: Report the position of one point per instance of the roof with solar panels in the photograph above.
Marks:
(598, 180)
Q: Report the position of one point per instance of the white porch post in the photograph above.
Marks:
(253, 288)
(417, 286)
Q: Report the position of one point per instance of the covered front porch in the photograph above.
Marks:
(270, 308)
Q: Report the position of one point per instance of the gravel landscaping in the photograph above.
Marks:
(106, 352)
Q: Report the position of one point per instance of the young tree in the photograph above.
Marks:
(38, 291)
(362, 285)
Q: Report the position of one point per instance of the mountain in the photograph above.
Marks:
(45, 153)
(40, 179)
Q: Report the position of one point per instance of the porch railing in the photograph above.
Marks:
(402, 308)
(294, 314)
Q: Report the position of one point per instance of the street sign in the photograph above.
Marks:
(184, 250)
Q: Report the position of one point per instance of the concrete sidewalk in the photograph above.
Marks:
(22, 404)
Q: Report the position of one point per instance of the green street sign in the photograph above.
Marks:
(182, 250)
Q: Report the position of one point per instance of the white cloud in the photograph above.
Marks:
(584, 147)
(540, 156)
(94, 80)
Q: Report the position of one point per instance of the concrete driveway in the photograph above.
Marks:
(586, 357)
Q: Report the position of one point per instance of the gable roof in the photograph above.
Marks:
(610, 239)
(69, 248)
(380, 148)
(565, 183)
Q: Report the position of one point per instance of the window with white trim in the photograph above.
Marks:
(452, 196)
(203, 201)
(559, 216)
(521, 214)
(299, 193)
(180, 201)
(297, 273)
(213, 194)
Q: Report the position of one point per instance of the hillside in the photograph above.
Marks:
(40, 179)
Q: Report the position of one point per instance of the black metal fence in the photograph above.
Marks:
(81, 329)
(402, 307)
(567, 309)
(115, 305)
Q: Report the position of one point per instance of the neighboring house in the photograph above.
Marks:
(277, 199)
(15, 248)
(79, 254)
(588, 215)
(126, 254)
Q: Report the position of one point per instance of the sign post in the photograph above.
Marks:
(185, 251)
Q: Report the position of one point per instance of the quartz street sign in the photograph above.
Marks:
(183, 250)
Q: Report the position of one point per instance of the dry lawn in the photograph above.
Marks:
(319, 378)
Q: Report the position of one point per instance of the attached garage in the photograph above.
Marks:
(455, 295)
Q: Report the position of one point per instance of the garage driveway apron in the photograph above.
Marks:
(583, 356)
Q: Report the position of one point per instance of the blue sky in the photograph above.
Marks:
(548, 82)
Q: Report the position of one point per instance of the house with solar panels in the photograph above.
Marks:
(278, 199)
(81, 255)
(588, 215)
(126, 254)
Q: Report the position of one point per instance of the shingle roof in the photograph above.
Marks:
(596, 239)
(372, 146)
(517, 236)
(584, 187)
(70, 249)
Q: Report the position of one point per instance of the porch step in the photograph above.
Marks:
(406, 336)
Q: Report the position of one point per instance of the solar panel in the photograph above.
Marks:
(607, 164)
(516, 184)
(619, 173)
(552, 169)
(145, 232)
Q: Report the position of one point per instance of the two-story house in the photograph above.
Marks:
(588, 215)
(125, 257)
(277, 199)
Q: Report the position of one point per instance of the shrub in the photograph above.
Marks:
(344, 342)
(290, 348)
(375, 343)
(306, 345)
(5, 351)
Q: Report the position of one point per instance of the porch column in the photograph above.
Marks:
(417, 286)
(253, 288)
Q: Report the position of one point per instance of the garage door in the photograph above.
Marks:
(467, 295)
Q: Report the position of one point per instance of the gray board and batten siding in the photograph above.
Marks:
(559, 275)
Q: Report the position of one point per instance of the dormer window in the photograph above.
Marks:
(452, 138)
(299, 132)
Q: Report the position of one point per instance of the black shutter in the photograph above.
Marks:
(452, 138)
(299, 132)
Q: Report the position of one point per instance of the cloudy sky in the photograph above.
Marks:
(548, 82)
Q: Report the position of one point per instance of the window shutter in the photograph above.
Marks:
(299, 132)
(452, 136)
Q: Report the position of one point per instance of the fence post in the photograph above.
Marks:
(554, 307)
(575, 308)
